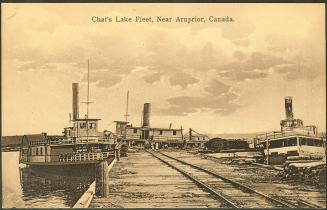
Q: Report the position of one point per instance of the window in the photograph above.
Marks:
(318, 143)
(311, 142)
(134, 130)
(303, 141)
(41, 151)
(91, 125)
(174, 133)
(160, 132)
(276, 144)
(291, 142)
(46, 150)
(82, 125)
(37, 151)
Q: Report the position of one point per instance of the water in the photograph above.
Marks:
(22, 188)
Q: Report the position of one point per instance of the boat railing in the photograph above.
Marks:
(95, 140)
(81, 140)
(131, 136)
(61, 141)
(85, 156)
(274, 135)
(165, 138)
(152, 137)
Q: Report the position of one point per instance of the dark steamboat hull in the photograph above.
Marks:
(76, 168)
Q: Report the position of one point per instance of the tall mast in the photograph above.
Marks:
(126, 114)
(88, 98)
(88, 89)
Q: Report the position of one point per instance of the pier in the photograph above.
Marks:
(188, 180)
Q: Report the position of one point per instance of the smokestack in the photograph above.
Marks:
(146, 115)
(288, 107)
(75, 101)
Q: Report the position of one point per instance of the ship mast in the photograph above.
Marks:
(88, 98)
(126, 114)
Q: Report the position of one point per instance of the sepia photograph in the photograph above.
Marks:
(163, 105)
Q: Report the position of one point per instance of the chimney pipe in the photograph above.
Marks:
(289, 108)
(146, 115)
(75, 101)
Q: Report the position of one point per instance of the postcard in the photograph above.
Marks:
(163, 105)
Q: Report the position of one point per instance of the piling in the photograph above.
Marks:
(102, 179)
(117, 154)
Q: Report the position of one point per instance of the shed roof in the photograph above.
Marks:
(10, 140)
(34, 137)
(88, 119)
(147, 128)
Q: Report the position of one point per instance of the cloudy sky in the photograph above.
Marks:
(213, 77)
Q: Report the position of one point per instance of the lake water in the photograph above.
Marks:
(22, 188)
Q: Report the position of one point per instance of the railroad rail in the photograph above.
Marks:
(231, 193)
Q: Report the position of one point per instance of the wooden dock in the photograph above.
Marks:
(141, 181)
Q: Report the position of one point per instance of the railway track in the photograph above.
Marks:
(229, 192)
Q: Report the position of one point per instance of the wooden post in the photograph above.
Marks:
(117, 154)
(267, 142)
(102, 179)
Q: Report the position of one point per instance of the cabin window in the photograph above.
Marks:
(91, 125)
(37, 151)
(204, 138)
(311, 142)
(160, 132)
(41, 151)
(174, 133)
(318, 143)
(291, 142)
(134, 130)
(276, 144)
(82, 125)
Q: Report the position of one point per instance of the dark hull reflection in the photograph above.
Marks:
(41, 185)
(68, 170)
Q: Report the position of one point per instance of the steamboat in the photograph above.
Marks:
(77, 151)
(294, 141)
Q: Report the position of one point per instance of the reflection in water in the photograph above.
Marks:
(23, 187)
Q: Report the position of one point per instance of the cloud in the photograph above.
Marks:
(239, 75)
(152, 77)
(218, 99)
(305, 61)
(216, 87)
(256, 66)
(239, 55)
(299, 71)
(184, 105)
(182, 79)
(242, 42)
(103, 78)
